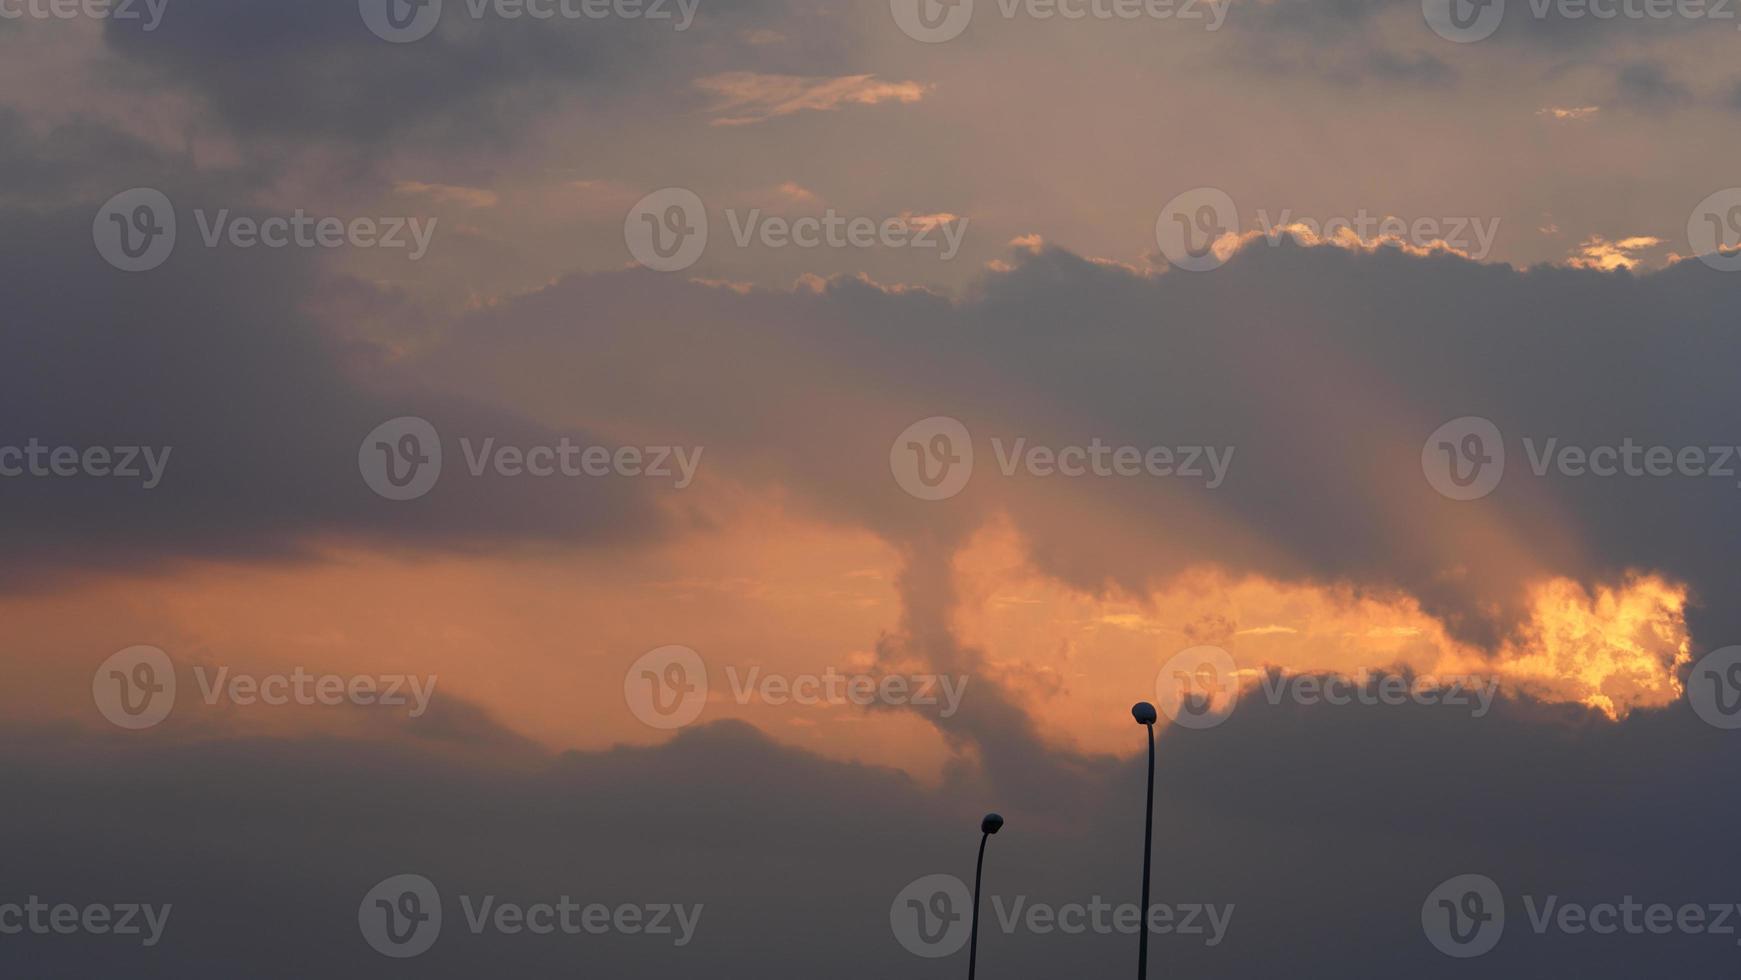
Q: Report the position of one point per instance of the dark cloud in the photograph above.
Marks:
(314, 71)
(1649, 86)
(76, 159)
(1326, 369)
(263, 406)
(1325, 828)
(1350, 41)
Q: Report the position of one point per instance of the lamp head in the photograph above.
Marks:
(991, 824)
(1144, 713)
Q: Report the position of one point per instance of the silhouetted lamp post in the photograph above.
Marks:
(990, 825)
(1144, 713)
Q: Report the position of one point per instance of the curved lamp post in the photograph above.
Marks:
(990, 825)
(1144, 713)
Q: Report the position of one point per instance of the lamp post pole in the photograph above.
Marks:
(1144, 713)
(990, 825)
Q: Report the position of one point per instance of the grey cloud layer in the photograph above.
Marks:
(1324, 829)
(220, 354)
(1326, 369)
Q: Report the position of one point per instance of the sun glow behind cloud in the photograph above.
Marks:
(1075, 659)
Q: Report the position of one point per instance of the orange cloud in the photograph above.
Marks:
(1560, 114)
(471, 197)
(1597, 252)
(744, 97)
(1076, 660)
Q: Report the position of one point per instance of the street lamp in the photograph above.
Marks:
(1144, 713)
(990, 825)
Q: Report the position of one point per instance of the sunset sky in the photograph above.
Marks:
(833, 295)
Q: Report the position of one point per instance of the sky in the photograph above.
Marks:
(621, 487)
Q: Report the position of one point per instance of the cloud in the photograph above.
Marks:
(1167, 359)
(1563, 114)
(281, 75)
(235, 363)
(1324, 828)
(1597, 252)
(471, 197)
(742, 97)
(1648, 85)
